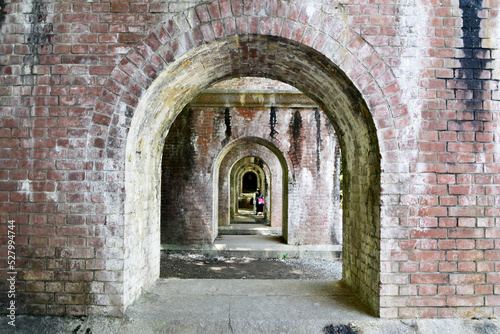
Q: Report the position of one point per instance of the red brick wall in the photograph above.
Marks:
(71, 78)
(194, 143)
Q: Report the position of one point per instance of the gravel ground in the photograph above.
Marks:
(318, 269)
(185, 265)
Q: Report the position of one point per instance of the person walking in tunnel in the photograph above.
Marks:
(260, 204)
(255, 200)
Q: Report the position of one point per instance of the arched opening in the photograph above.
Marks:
(244, 199)
(275, 58)
(299, 131)
(249, 183)
(257, 155)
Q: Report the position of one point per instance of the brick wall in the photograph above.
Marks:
(195, 142)
(411, 89)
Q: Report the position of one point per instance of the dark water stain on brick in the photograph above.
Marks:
(474, 61)
(3, 12)
(129, 112)
(40, 34)
(227, 122)
(273, 121)
(471, 22)
(317, 117)
(294, 131)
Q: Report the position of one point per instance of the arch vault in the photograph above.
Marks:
(262, 56)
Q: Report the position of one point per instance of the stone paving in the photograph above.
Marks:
(246, 306)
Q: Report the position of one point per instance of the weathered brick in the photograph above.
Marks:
(450, 135)
(465, 301)
(428, 278)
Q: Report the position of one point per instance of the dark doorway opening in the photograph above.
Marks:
(249, 183)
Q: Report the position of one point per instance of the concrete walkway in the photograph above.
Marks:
(252, 236)
(249, 229)
(259, 246)
(246, 306)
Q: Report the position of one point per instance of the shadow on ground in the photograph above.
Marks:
(185, 265)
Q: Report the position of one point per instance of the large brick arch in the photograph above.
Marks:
(294, 43)
(204, 23)
(63, 160)
(175, 88)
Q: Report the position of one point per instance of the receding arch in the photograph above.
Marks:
(243, 167)
(249, 182)
(275, 58)
(266, 152)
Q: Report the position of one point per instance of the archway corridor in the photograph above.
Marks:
(267, 142)
(172, 99)
(253, 163)
(94, 94)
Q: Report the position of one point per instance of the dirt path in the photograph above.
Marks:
(178, 265)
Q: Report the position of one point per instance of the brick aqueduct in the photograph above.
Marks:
(90, 90)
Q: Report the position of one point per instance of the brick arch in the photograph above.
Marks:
(274, 146)
(272, 156)
(303, 23)
(339, 99)
(159, 70)
(241, 168)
